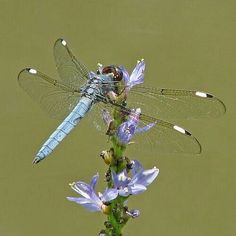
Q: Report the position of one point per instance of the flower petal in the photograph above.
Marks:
(137, 76)
(136, 189)
(145, 177)
(115, 179)
(82, 188)
(91, 207)
(109, 194)
(126, 131)
(79, 200)
(144, 128)
(136, 167)
(87, 203)
(94, 181)
(125, 74)
(121, 179)
(124, 192)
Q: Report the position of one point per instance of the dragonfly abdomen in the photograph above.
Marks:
(64, 128)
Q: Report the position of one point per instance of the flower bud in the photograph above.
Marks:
(105, 209)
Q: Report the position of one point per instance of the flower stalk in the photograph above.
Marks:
(117, 219)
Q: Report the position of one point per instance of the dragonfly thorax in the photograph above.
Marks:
(98, 87)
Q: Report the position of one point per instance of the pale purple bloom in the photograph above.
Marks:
(90, 200)
(136, 77)
(127, 129)
(137, 183)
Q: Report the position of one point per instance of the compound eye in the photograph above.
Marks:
(108, 69)
(116, 71)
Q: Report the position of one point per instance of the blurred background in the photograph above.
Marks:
(187, 44)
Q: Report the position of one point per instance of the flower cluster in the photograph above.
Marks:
(123, 185)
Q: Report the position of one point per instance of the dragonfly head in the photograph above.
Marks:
(114, 70)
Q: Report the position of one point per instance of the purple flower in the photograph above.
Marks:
(137, 183)
(136, 77)
(127, 129)
(90, 200)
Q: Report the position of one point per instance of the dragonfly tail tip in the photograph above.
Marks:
(36, 160)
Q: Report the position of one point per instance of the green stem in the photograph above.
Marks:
(117, 217)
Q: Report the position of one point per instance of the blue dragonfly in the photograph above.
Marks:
(78, 91)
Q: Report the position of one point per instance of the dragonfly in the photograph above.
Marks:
(79, 91)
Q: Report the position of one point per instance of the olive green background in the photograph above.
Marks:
(186, 44)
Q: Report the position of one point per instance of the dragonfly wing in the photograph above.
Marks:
(175, 104)
(165, 137)
(70, 69)
(94, 118)
(56, 98)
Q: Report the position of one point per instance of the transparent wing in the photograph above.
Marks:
(94, 118)
(70, 69)
(175, 104)
(55, 98)
(164, 137)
